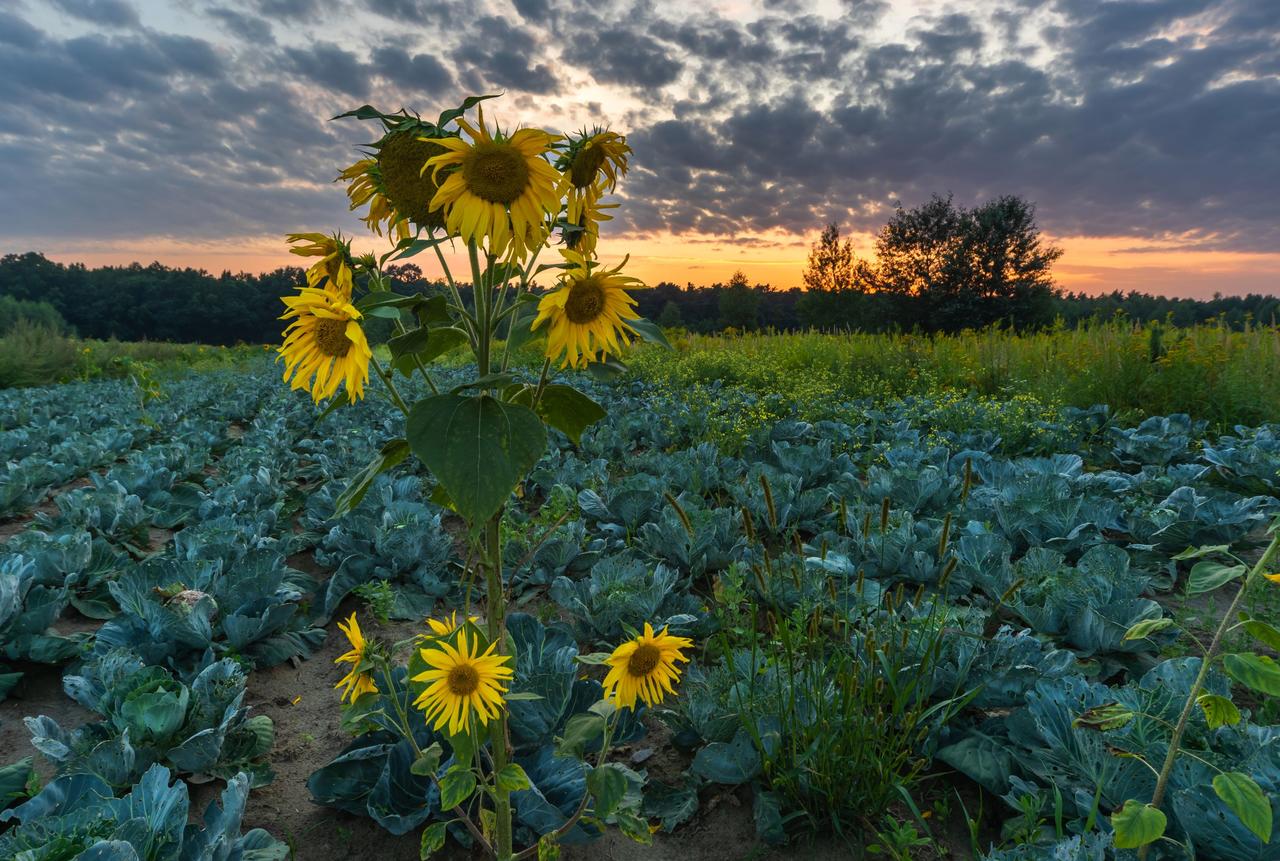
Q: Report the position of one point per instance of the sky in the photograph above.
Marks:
(197, 132)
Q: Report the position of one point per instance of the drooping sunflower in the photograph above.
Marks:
(501, 188)
(645, 667)
(394, 185)
(583, 234)
(462, 683)
(324, 346)
(355, 682)
(587, 315)
(591, 166)
(334, 254)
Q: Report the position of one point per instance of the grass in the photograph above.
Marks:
(38, 355)
(1208, 371)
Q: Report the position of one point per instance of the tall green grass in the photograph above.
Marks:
(33, 354)
(1208, 371)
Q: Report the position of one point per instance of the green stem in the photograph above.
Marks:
(457, 297)
(484, 337)
(422, 369)
(498, 727)
(1162, 781)
(391, 386)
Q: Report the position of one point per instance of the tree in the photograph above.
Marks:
(739, 304)
(967, 268)
(830, 267)
(670, 316)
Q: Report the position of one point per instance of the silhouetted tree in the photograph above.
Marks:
(739, 304)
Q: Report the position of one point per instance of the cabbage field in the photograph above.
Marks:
(932, 626)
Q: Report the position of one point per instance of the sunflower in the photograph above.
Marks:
(460, 683)
(355, 682)
(324, 345)
(446, 626)
(588, 313)
(500, 189)
(591, 166)
(644, 667)
(334, 255)
(365, 186)
(583, 234)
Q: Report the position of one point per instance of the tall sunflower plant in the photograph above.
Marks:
(507, 198)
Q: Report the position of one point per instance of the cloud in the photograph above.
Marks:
(107, 13)
(1155, 119)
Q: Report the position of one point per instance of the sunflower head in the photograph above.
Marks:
(334, 263)
(645, 668)
(402, 159)
(586, 316)
(463, 684)
(359, 678)
(324, 346)
(595, 158)
(496, 187)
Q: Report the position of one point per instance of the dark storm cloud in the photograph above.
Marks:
(1148, 118)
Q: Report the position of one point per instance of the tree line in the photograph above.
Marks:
(939, 267)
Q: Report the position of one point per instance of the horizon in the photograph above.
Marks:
(1145, 131)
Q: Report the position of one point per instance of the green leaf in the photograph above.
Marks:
(336, 402)
(1137, 825)
(417, 246)
(522, 697)
(456, 787)
(468, 103)
(1197, 552)
(1146, 628)
(579, 731)
(634, 828)
(512, 778)
(1246, 800)
(521, 332)
(1207, 576)
(410, 342)
(1107, 716)
(432, 840)
(569, 410)
(463, 747)
(443, 340)
(488, 381)
(607, 785)
(1218, 711)
(427, 764)
(1263, 633)
(478, 448)
(433, 309)
(370, 302)
(1254, 671)
(595, 659)
(393, 452)
(607, 371)
(548, 848)
(650, 331)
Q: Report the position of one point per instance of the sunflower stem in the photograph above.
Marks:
(457, 296)
(484, 337)
(391, 386)
(498, 727)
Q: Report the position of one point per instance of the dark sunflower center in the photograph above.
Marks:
(401, 158)
(586, 301)
(586, 164)
(643, 660)
(463, 680)
(331, 337)
(496, 171)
